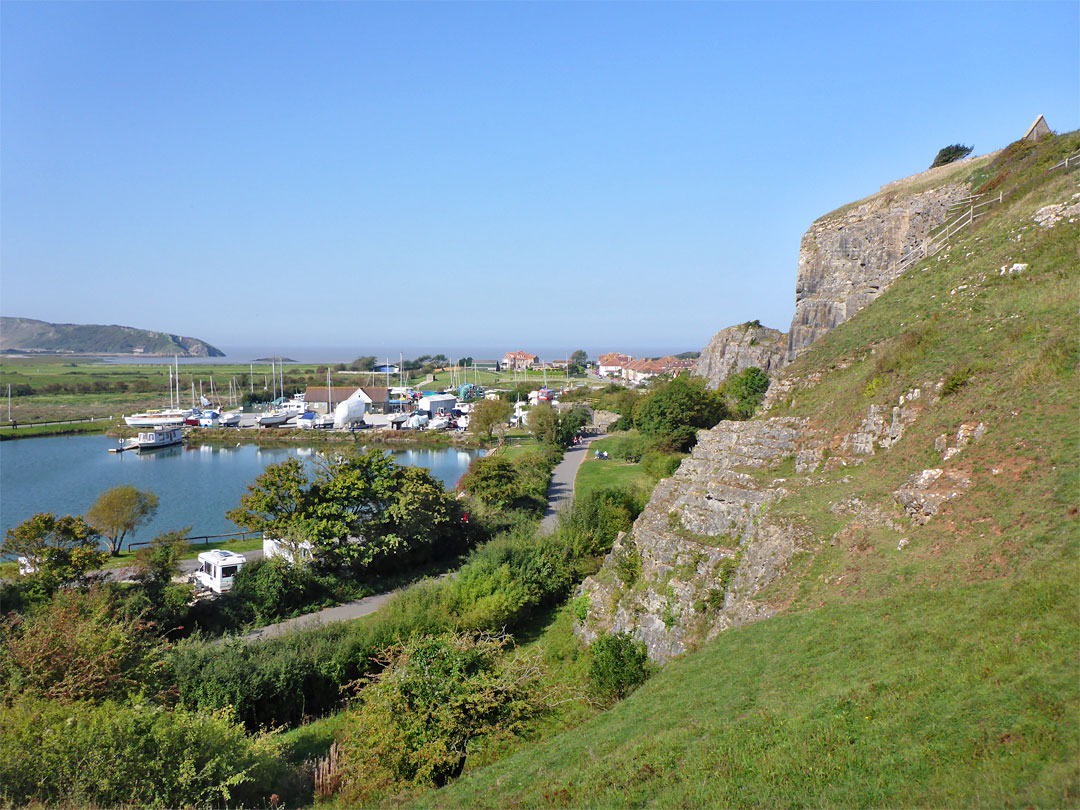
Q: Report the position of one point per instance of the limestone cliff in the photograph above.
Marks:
(738, 347)
(848, 258)
(703, 546)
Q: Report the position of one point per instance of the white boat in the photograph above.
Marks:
(273, 418)
(165, 417)
(306, 420)
(438, 423)
(210, 419)
(159, 437)
(230, 419)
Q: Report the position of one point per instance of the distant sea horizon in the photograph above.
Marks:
(344, 354)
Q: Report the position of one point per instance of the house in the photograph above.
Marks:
(1037, 131)
(518, 361)
(640, 370)
(317, 398)
(612, 364)
(432, 404)
(386, 368)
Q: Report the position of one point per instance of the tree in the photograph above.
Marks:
(365, 362)
(951, 153)
(272, 499)
(746, 390)
(61, 550)
(579, 358)
(465, 361)
(119, 511)
(543, 421)
(360, 510)
(493, 481)
(674, 411)
(488, 413)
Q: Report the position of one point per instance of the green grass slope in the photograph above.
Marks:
(944, 673)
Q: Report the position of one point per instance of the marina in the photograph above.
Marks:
(196, 485)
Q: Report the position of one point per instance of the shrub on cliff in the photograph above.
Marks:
(951, 153)
(745, 391)
(619, 665)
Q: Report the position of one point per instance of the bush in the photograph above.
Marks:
(951, 153)
(436, 694)
(661, 465)
(118, 755)
(77, 647)
(595, 520)
(266, 591)
(956, 380)
(619, 665)
(746, 390)
(493, 481)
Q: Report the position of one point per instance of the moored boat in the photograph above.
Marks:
(165, 417)
(159, 437)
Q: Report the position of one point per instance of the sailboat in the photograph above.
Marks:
(163, 417)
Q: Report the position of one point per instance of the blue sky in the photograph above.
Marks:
(410, 176)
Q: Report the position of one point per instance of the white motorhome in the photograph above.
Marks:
(218, 568)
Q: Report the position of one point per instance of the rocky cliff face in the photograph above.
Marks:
(739, 347)
(848, 259)
(703, 546)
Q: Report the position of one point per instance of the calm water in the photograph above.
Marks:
(195, 485)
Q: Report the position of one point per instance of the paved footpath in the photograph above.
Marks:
(340, 613)
(560, 495)
(561, 488)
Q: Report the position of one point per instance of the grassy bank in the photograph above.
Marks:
(74, 429)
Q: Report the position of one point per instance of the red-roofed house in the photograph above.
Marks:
(518, 361)
(613, 363)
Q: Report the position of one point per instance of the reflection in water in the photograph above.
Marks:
(196, 486)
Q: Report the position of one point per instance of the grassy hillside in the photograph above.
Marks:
(941, 671)
(30, 334)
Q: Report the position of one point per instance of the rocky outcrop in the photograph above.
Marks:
(739, 347)
(703, 546)
(849, 258)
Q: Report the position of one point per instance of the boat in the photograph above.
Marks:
(273, 418)
(306, 420)
(438, 423)
(159, 437)
(230, 419)
(209, 419)
(166, 417)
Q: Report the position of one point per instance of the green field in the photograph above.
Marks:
(594, 474)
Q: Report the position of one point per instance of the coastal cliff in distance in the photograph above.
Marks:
(29, 335)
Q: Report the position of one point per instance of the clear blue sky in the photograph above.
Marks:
(506, 175)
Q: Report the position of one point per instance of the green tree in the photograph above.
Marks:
(465, 361)
(672, 412)
(493, 481)
(119, 511)
(579, 358)
(746, 390)
(365, 362)
(61, 550)
(951, 153)
(488, 413)
(273, 499)
(543, 422)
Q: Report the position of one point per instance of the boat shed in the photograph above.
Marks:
(432, 404)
